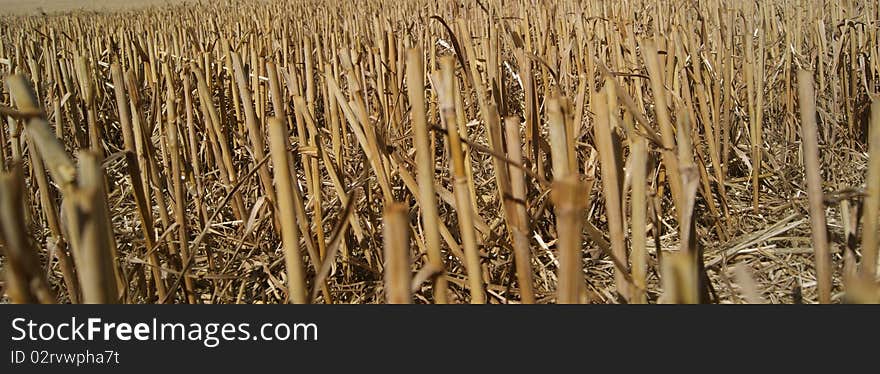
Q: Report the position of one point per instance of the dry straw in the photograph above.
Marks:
(136, 149)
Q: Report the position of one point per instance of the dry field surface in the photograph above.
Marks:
(36, 7)
(633, 151)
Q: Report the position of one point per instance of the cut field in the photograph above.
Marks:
(634, 151)
(36, 7)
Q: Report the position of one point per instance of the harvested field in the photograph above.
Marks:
(39, 7)
(634, 151)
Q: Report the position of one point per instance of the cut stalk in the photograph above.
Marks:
(396, 243)
(460, 181)
(872, 199)
(425, 164)
(296, 285)
(809, 138)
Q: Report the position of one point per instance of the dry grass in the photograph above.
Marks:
(637, 151)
